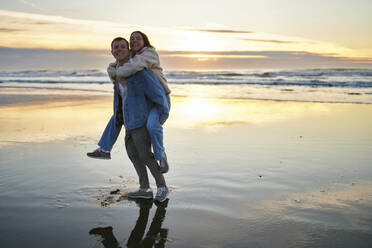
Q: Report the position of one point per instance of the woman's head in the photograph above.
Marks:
(138, 40)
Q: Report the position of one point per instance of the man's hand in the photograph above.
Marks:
(122, 81)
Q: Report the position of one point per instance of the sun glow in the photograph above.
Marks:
(198, 110)
(196, 41)
(211, 56)
(212, 113)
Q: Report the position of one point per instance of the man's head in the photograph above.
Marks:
(120, 49)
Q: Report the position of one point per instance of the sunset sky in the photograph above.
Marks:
(190, 34)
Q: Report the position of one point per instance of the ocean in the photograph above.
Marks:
(313, 85)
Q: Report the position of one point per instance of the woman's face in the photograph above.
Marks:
(136, 42)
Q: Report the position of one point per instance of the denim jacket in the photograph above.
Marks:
(143, 92)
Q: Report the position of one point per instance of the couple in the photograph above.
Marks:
(141, 103)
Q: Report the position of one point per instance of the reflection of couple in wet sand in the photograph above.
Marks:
(141, 103)
(156, 236)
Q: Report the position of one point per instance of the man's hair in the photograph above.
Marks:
(144, 37)
(117, 39)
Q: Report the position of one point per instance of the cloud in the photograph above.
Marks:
(257, 59)
(253, 54)
(55, 11)
(28, 30)
(7, 30)
(20, 58)
(34, 6)
(30, 22)
(221, 31)
(41, 23)
(56, 32)
(271, 41)
(14, 59)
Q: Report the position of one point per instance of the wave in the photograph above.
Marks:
(57, 81)
(279, 82)
(311, 83)
(278, 73)
(338, 77)
(53, 73)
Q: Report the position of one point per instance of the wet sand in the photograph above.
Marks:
(244, 173)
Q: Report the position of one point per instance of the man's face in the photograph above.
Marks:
(120, 50)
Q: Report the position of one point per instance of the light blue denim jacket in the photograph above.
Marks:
(143, 92)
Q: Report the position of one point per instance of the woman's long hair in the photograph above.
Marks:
(144, 37)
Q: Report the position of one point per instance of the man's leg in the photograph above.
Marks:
(135, 158)
(141, 139)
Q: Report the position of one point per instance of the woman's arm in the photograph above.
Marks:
(146, 59)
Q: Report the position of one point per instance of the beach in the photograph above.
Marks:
(243, 173)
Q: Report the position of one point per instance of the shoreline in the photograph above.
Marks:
(252, 172)
(64, 94)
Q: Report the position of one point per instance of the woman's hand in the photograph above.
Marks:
(111, 70)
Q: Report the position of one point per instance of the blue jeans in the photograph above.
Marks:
(155, 130)
(110, 135)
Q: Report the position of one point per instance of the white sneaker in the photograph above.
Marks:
(161, 194)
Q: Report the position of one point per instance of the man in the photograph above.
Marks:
(133, 100)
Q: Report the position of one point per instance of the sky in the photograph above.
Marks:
(192, 34)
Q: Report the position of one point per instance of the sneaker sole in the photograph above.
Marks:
(166, 197)
(140, 197)
(164, 170)
(99, 158)
(160, 200)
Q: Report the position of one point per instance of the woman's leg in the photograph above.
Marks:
(110, 135)
(156, 133)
